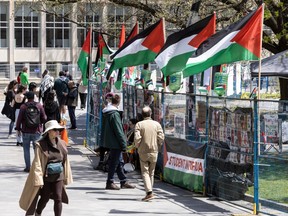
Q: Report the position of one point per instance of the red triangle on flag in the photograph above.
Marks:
(155, 40)
(250, 35)
(134, 32)
(101, 45)
(122, 36)
(209, 30)
(86, 46)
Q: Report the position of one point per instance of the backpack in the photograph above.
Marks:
(32, 115)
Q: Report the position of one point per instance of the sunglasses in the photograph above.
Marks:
(56, 130)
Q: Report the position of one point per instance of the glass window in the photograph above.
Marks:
(26, 26)
(35, 70)
(116, 17)
(3, 24)
(89, 14)
(120, 15)
(81, 35)
(58, 29)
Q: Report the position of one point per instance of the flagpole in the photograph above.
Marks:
(164, 33)
(257, 150)
(90, 56)
(260, 59)
(210, 82)
(259, 77)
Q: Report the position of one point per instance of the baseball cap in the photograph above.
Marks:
(109, 95)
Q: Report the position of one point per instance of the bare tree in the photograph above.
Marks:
(176, 13)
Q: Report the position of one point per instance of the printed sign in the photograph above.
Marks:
(185, 164)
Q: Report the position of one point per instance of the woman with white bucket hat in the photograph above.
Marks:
(49, 173)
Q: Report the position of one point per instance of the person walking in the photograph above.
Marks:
(19, 99)
(33, 88)
(148, 140)
(72, 99)
(50, 172)
(51, 107)
(61, 88)
(8, 109)
(114, 138)
(24, 77)
(46, 85)
(29, 124)
(101, 149)
(82, 93)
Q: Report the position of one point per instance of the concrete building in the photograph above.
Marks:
(32, 36)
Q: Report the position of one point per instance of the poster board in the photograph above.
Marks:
(179, 121)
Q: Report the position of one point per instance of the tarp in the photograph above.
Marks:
(276, 65)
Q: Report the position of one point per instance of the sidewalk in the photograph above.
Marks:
(87, 195)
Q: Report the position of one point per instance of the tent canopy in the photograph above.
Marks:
(276, 65)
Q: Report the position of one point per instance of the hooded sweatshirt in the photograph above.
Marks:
(113, 136)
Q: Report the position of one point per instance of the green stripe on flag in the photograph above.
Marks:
(233, 53)
(186, 180)
(176, 63)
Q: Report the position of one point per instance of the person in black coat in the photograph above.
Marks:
(8, 110)
(72, 100)
(51, 107)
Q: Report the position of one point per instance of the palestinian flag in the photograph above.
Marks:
(83, 60)
(159, 84)
(237, 42)
(149, 82)
(118, 83)
(122, 36)
(102, 49)
(134, 32)
(181, 45)
(141, 49)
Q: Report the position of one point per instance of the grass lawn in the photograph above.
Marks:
(273, 180)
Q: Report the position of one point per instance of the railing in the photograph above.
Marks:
(242, 160)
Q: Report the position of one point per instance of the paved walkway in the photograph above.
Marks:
(87, 194)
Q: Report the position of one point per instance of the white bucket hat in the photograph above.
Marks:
(52, 124)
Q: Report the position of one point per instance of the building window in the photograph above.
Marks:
(26, 26)
(88, 14)
(58, 29)
(3, 24)
(116, 17)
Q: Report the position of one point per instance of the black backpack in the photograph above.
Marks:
(32, 115)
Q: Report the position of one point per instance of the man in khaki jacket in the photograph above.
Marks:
(148, 139)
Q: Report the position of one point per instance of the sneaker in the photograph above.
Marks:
(148, 197)
(36, 214)
(126, 185)
(112, 186)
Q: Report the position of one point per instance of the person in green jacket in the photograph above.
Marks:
(113, 137)
(24, 77)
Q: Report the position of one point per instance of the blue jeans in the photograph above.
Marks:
(27, 138)
(11, 125)
(116, 163)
